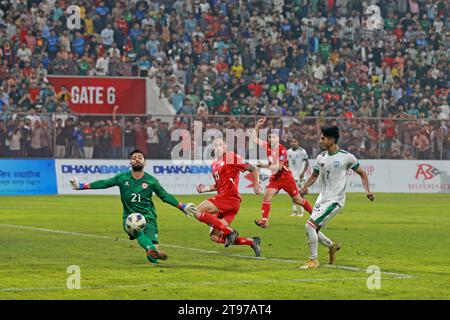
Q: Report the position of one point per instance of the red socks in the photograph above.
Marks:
(211, 220)
(265, 209)
(221, 238)
(239, 240)
(305, 204)
(243, 241)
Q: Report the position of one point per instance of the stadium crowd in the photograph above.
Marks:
(300, 62)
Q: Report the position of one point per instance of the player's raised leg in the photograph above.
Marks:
(265, 207)
(322, 213)
(151, 231)
(333, 247)
(303, 203)
(289, 185)
(295, 207)
(255, 242)
(147, 239)
(206, 212)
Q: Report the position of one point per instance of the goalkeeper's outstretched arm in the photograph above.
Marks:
(99, 184)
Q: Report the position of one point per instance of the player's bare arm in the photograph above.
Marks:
(256, 186)
(365, 181)
(116, 107)
(255, 134)
(275, 167)
(201, 188)
(311, 180)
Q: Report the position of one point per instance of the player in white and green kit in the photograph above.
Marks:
(136, 190)
(332, 167)
(298, 164)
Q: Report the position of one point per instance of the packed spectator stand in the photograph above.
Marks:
(301, 63)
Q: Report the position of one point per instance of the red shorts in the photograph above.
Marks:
(285, 182)
(228, 207)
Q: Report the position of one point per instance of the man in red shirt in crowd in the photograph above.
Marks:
(141, 136)
(219, 211)
(115, 132)
(123, 25)
(256, 88)
(281, 178)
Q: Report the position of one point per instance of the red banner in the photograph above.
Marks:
(101, 94)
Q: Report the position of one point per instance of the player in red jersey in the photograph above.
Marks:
(219, 211)
(281, 177)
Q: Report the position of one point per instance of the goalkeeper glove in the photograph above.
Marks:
(189, 209)
(75, 184)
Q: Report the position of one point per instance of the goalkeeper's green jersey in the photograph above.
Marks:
(136, 194)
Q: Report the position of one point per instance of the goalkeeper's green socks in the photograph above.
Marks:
(146, 243)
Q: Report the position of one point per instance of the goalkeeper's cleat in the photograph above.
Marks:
(332, 252)
(154, 254)
(256, 246)
(310, 264)
(162, 255)
(231, 237)
(293, 214)
(151, 259)
(263, 223)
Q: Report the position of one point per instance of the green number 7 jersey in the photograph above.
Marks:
(136, 194)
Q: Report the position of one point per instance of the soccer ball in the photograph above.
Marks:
(135, 222)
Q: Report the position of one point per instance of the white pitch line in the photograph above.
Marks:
(183, 284)
(396, 275)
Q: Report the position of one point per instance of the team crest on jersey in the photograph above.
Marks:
(144, 185)
(127, 183)
(336, 164)
(222, 164)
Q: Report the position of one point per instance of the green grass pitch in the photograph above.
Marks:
(406, 236)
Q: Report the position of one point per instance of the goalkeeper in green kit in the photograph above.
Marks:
(136, 190)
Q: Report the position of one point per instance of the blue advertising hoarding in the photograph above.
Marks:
(19, 177)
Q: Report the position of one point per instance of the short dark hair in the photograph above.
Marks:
(331, 132)
(136, 151)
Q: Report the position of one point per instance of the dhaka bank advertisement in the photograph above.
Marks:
(183, 177)
(176, 178)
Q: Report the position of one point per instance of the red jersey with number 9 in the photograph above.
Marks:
(226, 174)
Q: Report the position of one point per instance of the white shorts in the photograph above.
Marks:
(324, 212)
